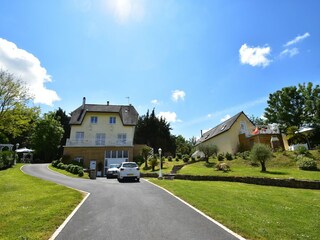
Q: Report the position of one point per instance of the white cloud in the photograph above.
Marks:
(168, 116)
(226, 117)
(255, 56)
(126, 10)
(28, 68)
(297, 39)
(289, 52)
(155, 102)
(178, 94)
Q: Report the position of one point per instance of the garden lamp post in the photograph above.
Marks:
(160, 172)
(17, 146)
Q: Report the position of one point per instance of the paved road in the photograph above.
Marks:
(136, 211)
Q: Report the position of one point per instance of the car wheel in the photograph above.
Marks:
(119, 180)
(138, 179)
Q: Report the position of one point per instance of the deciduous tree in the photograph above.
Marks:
(208, 150)
(46, 137)
(16, 117)
(261, 153)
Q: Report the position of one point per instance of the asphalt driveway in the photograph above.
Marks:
(122, 211)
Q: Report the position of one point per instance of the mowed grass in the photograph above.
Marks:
(282, 165)
(167, 166)
(32, 208)
(254, 212)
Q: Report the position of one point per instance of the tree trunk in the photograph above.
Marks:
(146, 163)
(263, 167)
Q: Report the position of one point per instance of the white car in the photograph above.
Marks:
(129, 170)
(113, 170)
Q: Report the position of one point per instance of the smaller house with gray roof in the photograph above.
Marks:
(226, 135)
(101, 134)
(238, 133)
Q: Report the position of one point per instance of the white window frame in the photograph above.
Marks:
(112, 120)
(94, 120)
(79, 137)
(100, 139)
(122, 138)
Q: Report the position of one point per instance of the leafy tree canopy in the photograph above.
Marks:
(294, 106)
(16, 118)
(46, 137)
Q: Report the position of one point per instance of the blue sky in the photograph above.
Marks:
(196, 62)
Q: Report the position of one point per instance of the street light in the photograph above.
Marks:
(160, 172)
(17, 146)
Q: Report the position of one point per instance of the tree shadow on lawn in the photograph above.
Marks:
(275, 173)
(209, 164)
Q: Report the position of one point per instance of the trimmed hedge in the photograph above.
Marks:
(6, 159)
(74, 169)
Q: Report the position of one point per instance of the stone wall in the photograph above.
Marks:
(290, 183)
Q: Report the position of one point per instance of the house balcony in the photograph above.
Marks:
(98, 143)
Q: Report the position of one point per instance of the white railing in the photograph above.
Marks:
(97, 143)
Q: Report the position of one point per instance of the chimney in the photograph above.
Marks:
(83, 102)
(107, 103)
(201, 133)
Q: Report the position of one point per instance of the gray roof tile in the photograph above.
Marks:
(128, 114)
(221, 128)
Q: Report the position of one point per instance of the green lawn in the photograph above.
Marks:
(242, 168)
(254, 212)
(167, 166)
(32, 208)
(282, 165)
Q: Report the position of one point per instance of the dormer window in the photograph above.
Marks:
(94, 120)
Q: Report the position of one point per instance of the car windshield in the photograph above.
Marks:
(114, 165)
(129, 165)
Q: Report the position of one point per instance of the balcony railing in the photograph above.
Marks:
(97, 143)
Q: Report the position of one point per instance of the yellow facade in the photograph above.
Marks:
(103, 126)
(228, 141)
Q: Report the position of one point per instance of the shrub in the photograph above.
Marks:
(229, 156)
(170, 158)
(60, 165)
(55, 163)
(244, 155)
(186, 158)
(223, 167)
(138, 159)
(80, 173)
(301, 150)
(6, 159)
(305, 163)
(220, 157)
(193, 159)
(153, 162)
(178, 156)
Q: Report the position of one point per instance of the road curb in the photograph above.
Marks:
(200, 212)
(59, 229)
(56, 233)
